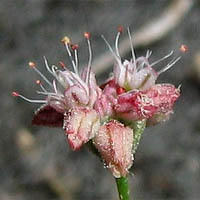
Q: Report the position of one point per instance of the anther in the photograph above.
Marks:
(66, 40)
(184, 48)
(31, 64)
(62, 64)
(120, 29)
(87, 35)
(38, 82)
(74, 47)
(15, 94)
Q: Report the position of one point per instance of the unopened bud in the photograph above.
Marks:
(114, 142)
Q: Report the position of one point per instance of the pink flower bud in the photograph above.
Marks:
(137, 105)
(114, 142)
(105, 103)
(80, 125)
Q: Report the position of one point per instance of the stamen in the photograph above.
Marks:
(39, 82)
(169, 65)
(62, 65)
(47, 66)
(33, 66)
(66, 41)
(87, 36)
(54, 69)
(76, 57)
(53, 95)
(54, 86)
(16, 94)
(120, 29)
(184, 48)
(74, 47)
(132, 49)
(165, 57)
(148, 54)
(110, 48)
(80, 81)
(143, 63)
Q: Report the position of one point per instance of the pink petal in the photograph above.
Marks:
(80, 125)
(114, 142)
(137, 105)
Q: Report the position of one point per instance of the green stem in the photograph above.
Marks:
(138, 129)
(123, 189)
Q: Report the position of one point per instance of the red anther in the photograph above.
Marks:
(62, 64)
(87, 35)
(74, 46)
(39, 82)
(31, 64)
(120, 29)
(184, 48)
(15, 94)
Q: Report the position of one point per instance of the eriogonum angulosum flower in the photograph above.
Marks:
(138, 97)
(86, 111)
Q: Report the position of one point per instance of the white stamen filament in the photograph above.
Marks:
(76, 58)
(148, 54)
(110, 48)
(144, 62)
(42, 87)
(47, 66)
(89, 63)
(55, 95)
(169, 65)
(71, 58)
(80, 82)
(132, 49)
(54, 86)
(116, 44)
(54, 69)
(163, 58)
(31, 100)
(40, 73)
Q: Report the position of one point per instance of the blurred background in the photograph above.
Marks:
(36, 162)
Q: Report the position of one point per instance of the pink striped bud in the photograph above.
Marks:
(137, 105)
(80, 125)
(114, 142)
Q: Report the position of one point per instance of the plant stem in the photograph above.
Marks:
(123, 188)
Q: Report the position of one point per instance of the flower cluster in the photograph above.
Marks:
(87, 111)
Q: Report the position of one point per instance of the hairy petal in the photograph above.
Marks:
(114, 142)
(137, 105)
(80, 125)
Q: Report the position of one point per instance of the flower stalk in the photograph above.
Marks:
(122, 182)
(123, 188)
